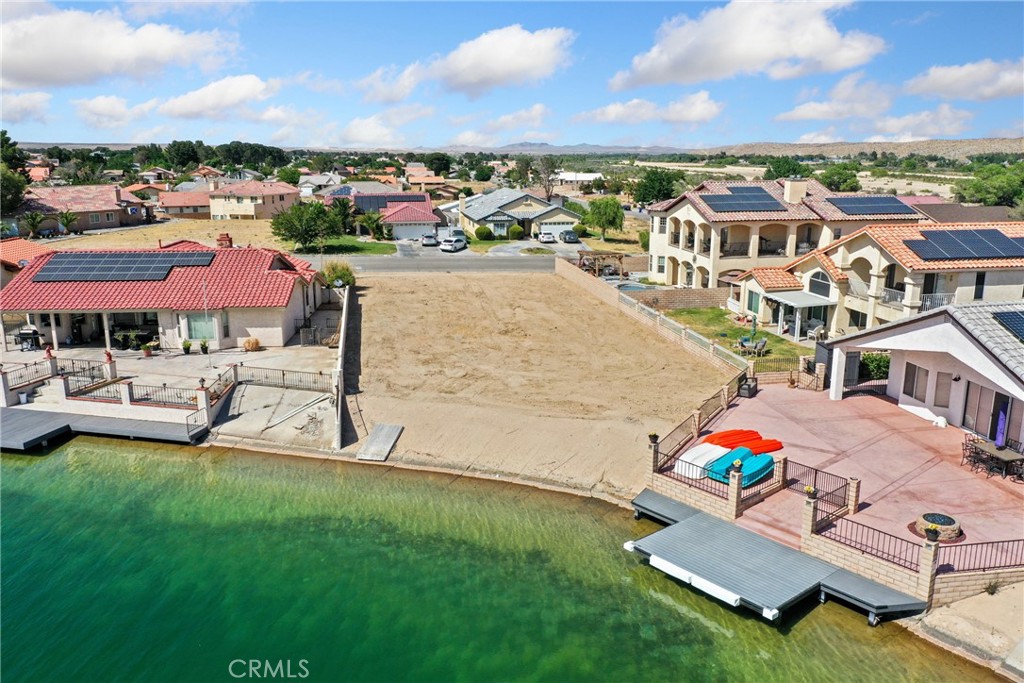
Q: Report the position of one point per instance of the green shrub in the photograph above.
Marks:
(874, 366)
(580, 230)
(339, 270)
(484, 234)
(645, 239)
(515, 232)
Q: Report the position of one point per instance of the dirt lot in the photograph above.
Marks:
(521, 376)
(256, 233)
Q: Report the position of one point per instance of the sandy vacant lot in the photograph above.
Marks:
(522, 376)
(256, 233)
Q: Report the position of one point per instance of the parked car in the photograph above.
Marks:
(570, 237)
(452, 244)
(428, 241)
(546, 238)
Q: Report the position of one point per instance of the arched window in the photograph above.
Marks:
(820, 284)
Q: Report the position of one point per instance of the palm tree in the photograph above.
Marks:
(372, 223)
(32, 220)
(343, 208)
(66, 218)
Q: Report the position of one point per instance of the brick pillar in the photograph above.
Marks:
(110, 369)
(853, 495)
(53, 365)
(126, 393)
(696, 423)
(203, 399)
(751, 372)
(927, 564)
(807, 520)
(62, 388)
(782, 469)
(735, 493)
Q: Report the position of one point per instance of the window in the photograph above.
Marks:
(200, 326)
(858, 319)
(820, 284)
(280, 197)
(753, 302)
(109, 217)
(195, 209)
(915, 381)
(837, 233)
(979, 286)
(943, 384)
(94, 218)
(661, 264)
(224, 327)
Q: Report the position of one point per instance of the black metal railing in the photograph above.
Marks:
(766, 248)
(221, 385)
(196, 421)
(831, 488)
(286, 379)
(673, 442)
(776, 365)
(868, 540)
(697, 477)
(757, 489)
(972, 557)
(84, 387)
(26, 374)
(163, 395)
(74, 366)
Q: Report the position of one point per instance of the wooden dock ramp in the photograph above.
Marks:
(380, 443)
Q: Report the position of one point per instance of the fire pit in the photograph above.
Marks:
(949, 528)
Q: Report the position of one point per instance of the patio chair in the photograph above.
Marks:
(743, 345)
(760, 348)
(815, 331)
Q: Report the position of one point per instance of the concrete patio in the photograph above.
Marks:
(906, 465)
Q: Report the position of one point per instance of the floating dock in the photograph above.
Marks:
(25, 428)
(740, 568)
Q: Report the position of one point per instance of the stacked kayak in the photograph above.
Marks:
(691, 464)
(755, 467)
(714, 456)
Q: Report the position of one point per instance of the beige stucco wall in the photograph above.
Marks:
(251, 207)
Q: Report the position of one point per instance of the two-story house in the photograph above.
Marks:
(883, 273)
(252, 200)
(709, 235)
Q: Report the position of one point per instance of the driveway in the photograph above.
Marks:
(516, 248)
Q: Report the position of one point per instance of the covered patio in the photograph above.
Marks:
(800, 315)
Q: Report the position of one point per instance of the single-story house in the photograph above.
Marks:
(184, 290)
(409, 221)
(97, 206)
(15, 255)
(149, 190)
(503, 208)
(206, 172)
(152, 175)
(185, 204)
(963, 363)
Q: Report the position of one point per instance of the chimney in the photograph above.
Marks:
(213, 184)
(168, 186)
(462, 204)
(225, 241)
(794, 189)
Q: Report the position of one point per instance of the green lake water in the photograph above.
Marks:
(124, 561)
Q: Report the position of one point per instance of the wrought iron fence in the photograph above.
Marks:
(755, 490)
(868, 540)
(831, 487)
(163, 395)
(673, 442)
(697, 477)
(196, 421)
(26, 374)
(74, 366)
(776, 365)
(710, 407)
(221, 385)
(83, 387)
(286, 379)
(972, 557)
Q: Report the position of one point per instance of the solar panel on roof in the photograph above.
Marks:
(867, 206)
(746, 189)
(1013, 321)
(723, 203)
(125, 267)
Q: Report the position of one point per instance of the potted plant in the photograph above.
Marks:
(204, 346)
(653, 436)
(812, 493)
(133, 341)
(147, 350)
(931, 532)
(186, 346)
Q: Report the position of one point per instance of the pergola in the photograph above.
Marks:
(594, 261)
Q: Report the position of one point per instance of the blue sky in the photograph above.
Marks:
(426, 74)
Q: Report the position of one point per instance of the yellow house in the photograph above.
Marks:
(252, 200)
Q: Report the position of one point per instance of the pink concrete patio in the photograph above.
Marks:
(906, 465)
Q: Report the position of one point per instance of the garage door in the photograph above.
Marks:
(410, 232)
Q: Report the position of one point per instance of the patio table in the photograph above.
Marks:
(1005, 456)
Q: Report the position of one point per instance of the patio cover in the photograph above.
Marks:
(799, 299)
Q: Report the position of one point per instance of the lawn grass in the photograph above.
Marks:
(537, 251)
(482, 246)
(350, 244)
(717, 324)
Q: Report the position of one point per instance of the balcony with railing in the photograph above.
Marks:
(705, 247)
(893, 297)
(858, 288)
(673, 239)
(735, 249)
(769, 248)
(937, 300)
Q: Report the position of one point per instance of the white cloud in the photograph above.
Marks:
(502, 57)
(319, 83)
(220, 99)
(849, 98)
(26, 106)
(84, 47)
(473, 138)
(370, 131)
(531, 117)
(820, 136)
(155, 134)
(283, 135)
(691, 109)
(922, 125)
(984, 80)
(107, 111)
(400, 116)
(141, 10)
(781, 39)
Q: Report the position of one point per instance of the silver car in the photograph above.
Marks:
(428, 241)
(452, 244)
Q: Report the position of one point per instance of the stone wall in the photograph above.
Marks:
(952, 587)
(670, 299)
(722, 508)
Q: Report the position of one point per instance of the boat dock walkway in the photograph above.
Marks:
(380, 443)
(25, 428)
(739, 567)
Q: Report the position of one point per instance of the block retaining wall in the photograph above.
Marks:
(952, 587)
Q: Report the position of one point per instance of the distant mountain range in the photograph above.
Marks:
(951, 149)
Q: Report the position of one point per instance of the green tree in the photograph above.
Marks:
(993, 185)
(656, 185)
(342, 207)
(547, 171)
(524, 166)
(289, 175)
(1017, 212)
(606, 214)
(599, 185)
(483, 173)
(181, 153)
(438, 162)
(306, 224)
(840, 178)
(321, 163)
(32, 220)
(334, 271)
(576, 208)
(372, 223)
(12, 190)
(11, 157)
(785, 167)
(467, 191)
(67, 219)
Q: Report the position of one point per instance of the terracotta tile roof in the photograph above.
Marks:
(666, 204)
(39, 173)
(773, 279)
(407, 213)
(236, 278)
(832, 213)
(890, 238)
(426, 180)
(254, 188)
(77, 198)
(14, 250)
(826, 263)
(143, 186)
(180, 199)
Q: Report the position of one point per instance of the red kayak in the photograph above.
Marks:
(721, 438)
(764, 446)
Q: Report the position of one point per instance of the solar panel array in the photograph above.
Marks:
(118, 267)
(1012, 321)
(742, 198)
(870, 206)
(377, 202)
(940, 245)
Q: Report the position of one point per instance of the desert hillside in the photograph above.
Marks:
(951, 149)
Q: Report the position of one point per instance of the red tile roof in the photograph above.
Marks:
(236, 278)
(180, 199)
(14, 250)
(773, 279)
(77, 198)
(407, 213)
(827, 264)
(254, 188)
(39, 173)
(915, 199)
(143, 186)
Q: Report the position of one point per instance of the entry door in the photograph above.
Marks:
(1000, 419)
